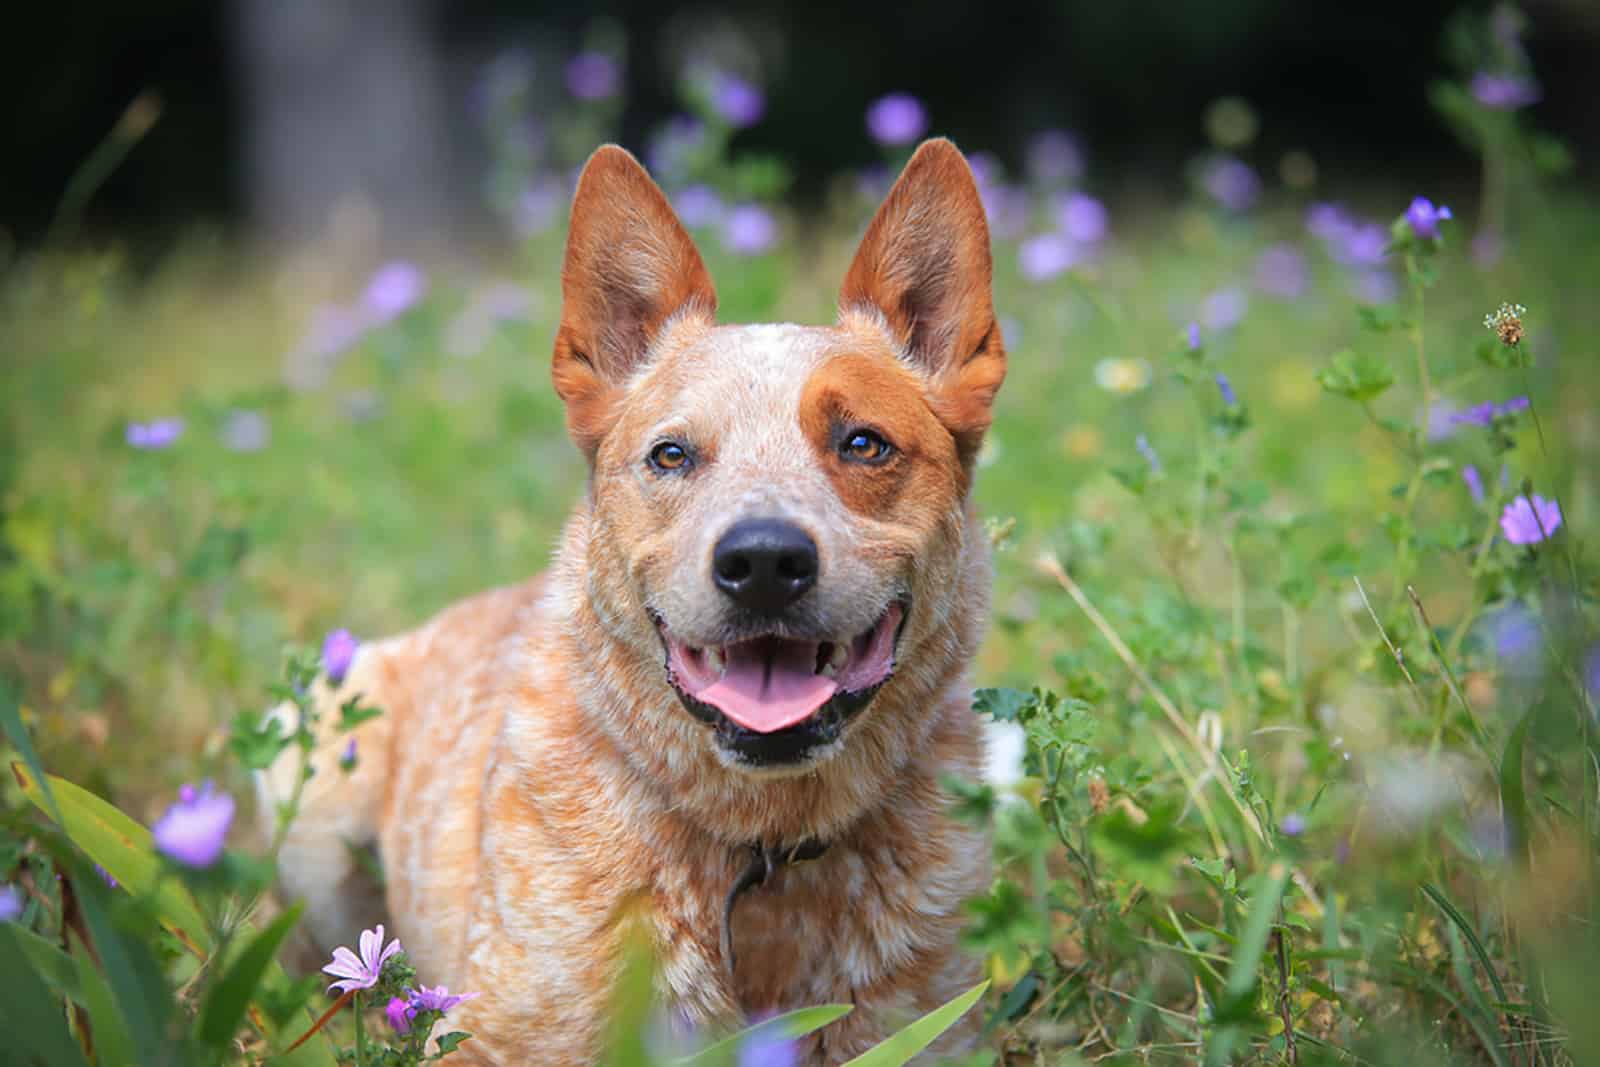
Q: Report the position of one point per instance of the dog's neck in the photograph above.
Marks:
(670, 754)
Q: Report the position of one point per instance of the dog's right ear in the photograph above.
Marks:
(630, 267)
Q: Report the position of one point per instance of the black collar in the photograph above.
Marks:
(764, 862)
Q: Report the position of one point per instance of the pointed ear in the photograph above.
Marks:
(924, 265)
(630, 267)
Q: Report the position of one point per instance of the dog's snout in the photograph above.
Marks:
(764, 564)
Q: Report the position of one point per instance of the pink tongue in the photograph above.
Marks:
(769, 685)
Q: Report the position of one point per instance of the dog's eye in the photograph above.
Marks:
(669, 456)
(864, 446)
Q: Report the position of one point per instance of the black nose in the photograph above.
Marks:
(765, 564)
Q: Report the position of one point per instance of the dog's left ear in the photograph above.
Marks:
(630, 268)
(924, 264)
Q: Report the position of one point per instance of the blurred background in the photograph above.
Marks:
(274, 112)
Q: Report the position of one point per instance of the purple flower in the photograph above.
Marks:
(674, 144)
(193, 829)
(11, 903)
(246, 431)
(1054, 156)
(1504, 92)
(698, 205)
(437, 999)
(986, 168)
(593, 76)
(1225, 387)
(1194, 337)
(536, 207)
(1281, 272)
(1591, 673)
(393, 290)
(1082, 218)
(338, 652)
(400, 1012)
(1375, 287)
(770, 1049)
(1045, 256)
(361, 972)
(896, 119)
(347, 758)
(1147, 450)
(1007, 209)
(739, 102)
(1527, 522)
(1515, 633)
(1474, 480)
(1292, 825)
(155, 435)
(1328, 222)
(1224, 309)
(1232, 183)
(749, 230)
(1364, 245)
(1424, 218)
(1485, 413)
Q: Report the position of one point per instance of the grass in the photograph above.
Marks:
(1312, 767)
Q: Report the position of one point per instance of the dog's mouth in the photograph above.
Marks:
(775, 699)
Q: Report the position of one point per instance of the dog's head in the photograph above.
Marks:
(777, 513)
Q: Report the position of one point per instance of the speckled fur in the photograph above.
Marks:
(534, 782)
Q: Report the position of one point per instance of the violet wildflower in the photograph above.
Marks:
(986, 168)
(593, 76)
(11, 903)
(1485, 413)
(246, 431)
(1007, 208)
(1224, 309)
(769, 1049)
(1364, 245)
(400, 1012)
(1375, 287)
(1054, 156)
(698, 205)
(1281, 272)
(1046, 256)
(1225, 387)
(393, 290)
(1292, 824)
(896, 119)
(1232, 183)
(1504, 92)
(1528, 521)
(437, 999)
(536, 207)
(192, 830)
(1474, 480)
(1328, 222)
(672, 147)
(739, 102)
(1082, 218)
(338, 653)
(1514, 631)
(749, 230)
(1148, 451)
(155, 435)
(364, 971)
(1193, 336)
(1424, 217)
(347, 758)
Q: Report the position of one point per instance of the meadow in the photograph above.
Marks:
(1295, 603)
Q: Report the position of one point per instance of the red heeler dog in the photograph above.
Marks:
(752, 650)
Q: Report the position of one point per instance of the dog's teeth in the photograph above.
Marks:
(715, 662)
(839, 656)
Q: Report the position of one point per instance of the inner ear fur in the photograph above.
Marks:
(630, 267)
(924, 265)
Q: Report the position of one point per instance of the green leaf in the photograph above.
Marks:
(1380, 318)
(57, 969)
(899, 1048)
(256, 740)
(1252, 942)
(11, 720)
(1444, 904)
(225, 1007)
(1147, 850)
(31, 1019)
(451, 1041)
(123, 847)
(1513, 794)
(791, 1025)
(1359, 376)
(353, 714)
(112, 1042)
(1002, 705)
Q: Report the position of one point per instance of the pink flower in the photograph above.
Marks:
(1527, 522)
(363, 972)
(437, 999)
(400, 1012)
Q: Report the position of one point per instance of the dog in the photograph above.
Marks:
(729, 708)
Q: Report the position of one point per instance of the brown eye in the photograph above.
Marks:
(669, 456)
(864, 446)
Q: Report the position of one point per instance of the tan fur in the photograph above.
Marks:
(534, 781)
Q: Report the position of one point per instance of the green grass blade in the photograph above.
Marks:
(1257, 926)
(57, 969)
(31, 1019)
(792, 1024)
(1444, 904)
(107, 1026)
(1513, 793)
(229, 999)
(11, 721)
(919, 1035)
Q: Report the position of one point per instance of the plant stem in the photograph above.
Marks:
(361, 1037)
